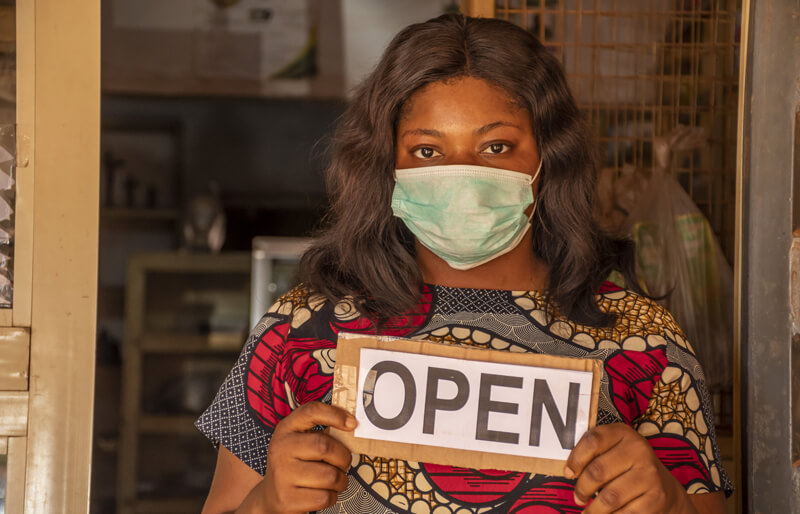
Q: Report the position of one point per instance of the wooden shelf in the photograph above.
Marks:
(161, 348)
(185, 343)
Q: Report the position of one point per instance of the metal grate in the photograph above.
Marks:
(638, 68)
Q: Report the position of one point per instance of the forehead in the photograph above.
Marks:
(463, 98)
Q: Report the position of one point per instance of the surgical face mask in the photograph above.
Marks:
(467, 215)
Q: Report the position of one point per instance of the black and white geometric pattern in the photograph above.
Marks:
(227, 420)
(449, 300)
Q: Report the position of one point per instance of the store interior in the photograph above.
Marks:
(214, 120)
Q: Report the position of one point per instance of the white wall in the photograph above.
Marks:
(369, 25)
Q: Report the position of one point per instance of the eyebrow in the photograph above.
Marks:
(478, 132)
(423, 132)
(491, 126)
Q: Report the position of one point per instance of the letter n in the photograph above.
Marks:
(565, 430)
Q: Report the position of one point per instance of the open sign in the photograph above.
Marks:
(466, 407)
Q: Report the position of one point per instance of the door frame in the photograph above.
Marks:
(55, 256)
(766, 198)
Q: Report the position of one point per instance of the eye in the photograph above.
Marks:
(424, 152)
(497, 148)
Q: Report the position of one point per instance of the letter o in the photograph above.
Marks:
(409, 400)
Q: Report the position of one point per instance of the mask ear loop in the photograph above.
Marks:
(536, 197)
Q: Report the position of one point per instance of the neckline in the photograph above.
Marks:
(534, 292)
(606, 288)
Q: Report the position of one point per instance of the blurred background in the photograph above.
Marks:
(215, 115)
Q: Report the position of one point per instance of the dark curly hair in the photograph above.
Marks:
(365, 252)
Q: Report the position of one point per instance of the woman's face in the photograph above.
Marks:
(465, 121)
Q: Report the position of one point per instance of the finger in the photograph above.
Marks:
(311, 500)
(600, 471)
(319, 446)
(639, 505)
(319, 475)
(309, 415)
(594, 442)
(619, 493)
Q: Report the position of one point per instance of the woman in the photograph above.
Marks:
(461, 181)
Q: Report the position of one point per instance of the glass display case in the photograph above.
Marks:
(275, 261)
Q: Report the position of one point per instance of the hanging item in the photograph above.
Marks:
(678, 257)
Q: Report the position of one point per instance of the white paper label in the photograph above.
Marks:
(471, 405)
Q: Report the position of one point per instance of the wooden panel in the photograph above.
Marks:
(15, 486)
(23, 222)
(3, 445)
(478, 8)
(14, 418)
(794, 293)
(14, 350)
(64, 286)
(6, 319)
(739, 270)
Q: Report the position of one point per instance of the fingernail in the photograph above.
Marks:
(350, 422)
(578, 500)
(568, 473)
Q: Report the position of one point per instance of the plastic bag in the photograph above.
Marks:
(678, 256)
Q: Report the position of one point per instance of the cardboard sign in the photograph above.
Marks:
(461, 406)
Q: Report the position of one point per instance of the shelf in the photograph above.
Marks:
(223, 342)
(167, 424)
(185, 323)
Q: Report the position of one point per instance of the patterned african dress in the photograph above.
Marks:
(651, 381)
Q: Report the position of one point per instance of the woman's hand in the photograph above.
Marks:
(306, 470)
(619, 463)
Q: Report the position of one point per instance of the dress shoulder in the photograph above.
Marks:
(637, 313)
(639, 316)
(640, 324)
(298, 305)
